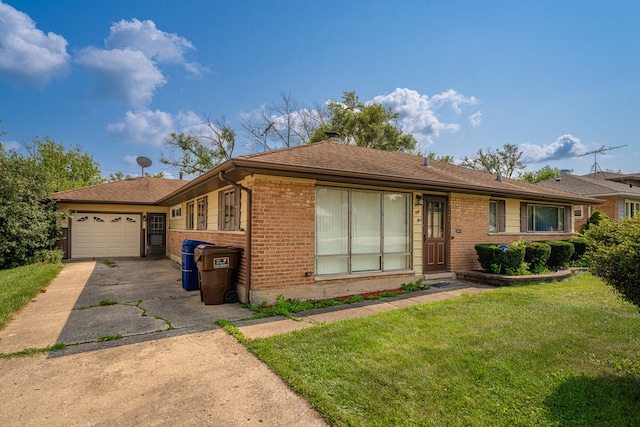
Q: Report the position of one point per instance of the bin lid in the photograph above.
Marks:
(195, 243)
(209, 249)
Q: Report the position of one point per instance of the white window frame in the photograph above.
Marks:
(349, 256)
(531, 224)
(176, 212)
(631, 208)
(578, 211)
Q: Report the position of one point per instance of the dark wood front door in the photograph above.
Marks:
(156, 234)
(435, 234)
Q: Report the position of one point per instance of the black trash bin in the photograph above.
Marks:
(217, 271)
(189, 270)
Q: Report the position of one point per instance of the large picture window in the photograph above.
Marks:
(360, 231)
(545, 218)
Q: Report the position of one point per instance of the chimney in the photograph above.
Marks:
(333, 136)
(565, 172)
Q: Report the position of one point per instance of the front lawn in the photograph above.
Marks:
(19, 285)
(565, 353)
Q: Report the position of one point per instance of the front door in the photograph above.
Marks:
(435, 230)
(156, 234)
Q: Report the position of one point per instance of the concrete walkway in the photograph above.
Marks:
(173, 366)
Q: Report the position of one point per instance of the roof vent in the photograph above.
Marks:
(558, 179)
(426, 161)
(499, 178)
(333, 136)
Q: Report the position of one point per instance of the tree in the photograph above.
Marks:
(500, 162)
(64, 169)
(444, 159)
(285, 124)
(370, 125)
(540, 175)
(197, 154)
(28, 219)
(120, 176)
(614, 252)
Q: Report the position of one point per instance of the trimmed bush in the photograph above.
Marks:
(614, 250)
(496, 260)
(580, 246)
(489, 256)
(561, 253)
(536, 256)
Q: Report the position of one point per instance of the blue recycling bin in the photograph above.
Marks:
(189, 268)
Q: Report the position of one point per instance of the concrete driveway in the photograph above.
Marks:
(172, 366)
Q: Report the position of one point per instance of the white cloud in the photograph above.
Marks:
(475, 119)
(27, 54)
(563, 147)
(155, 44)
(128, 68)
(153, 127)
(122, 74)
(417, 113)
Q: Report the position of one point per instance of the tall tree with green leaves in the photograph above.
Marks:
(371, 125)
(28, 218)
(540, 175)
(197, 154)
(64, 169)
(504, 162)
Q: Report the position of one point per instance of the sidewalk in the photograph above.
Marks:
(262, 328)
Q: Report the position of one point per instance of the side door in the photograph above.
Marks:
(156, 234)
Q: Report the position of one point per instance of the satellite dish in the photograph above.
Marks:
(144, 162)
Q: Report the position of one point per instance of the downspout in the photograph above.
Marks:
(239, 187)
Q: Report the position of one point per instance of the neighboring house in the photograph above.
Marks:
(328, 219)
(116, 219)
(619, 200)
(622, 178)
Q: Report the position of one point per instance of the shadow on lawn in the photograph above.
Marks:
(607, 400)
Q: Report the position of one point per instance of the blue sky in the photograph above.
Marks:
(557, 78)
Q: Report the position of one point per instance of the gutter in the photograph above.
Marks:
(239, 187)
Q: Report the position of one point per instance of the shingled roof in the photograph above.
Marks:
(135, 191)
(335, 162)
(592, 187)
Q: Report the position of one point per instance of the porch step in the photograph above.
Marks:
(438, 276)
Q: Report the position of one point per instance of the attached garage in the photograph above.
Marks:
(116, 219)
(105, 235)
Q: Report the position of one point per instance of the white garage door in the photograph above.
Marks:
(105, 235)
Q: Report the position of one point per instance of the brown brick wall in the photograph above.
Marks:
(283, 232)
(609, 207)
(470, 214)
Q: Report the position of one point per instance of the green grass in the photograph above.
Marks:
(19, 285)
(557, 354)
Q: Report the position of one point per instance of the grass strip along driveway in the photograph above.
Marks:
(19, 285)
(564, 353)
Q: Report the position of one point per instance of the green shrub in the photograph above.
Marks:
(561, 253)
(496, 260)
(536, 256)
(614, 251)
(489, 256)
(594, 219)
(580, 246)
(513, 259)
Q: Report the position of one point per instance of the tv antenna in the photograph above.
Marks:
(596, 166)
(144, 162)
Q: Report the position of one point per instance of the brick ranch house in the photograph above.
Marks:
(329, 219)
(617, 199)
